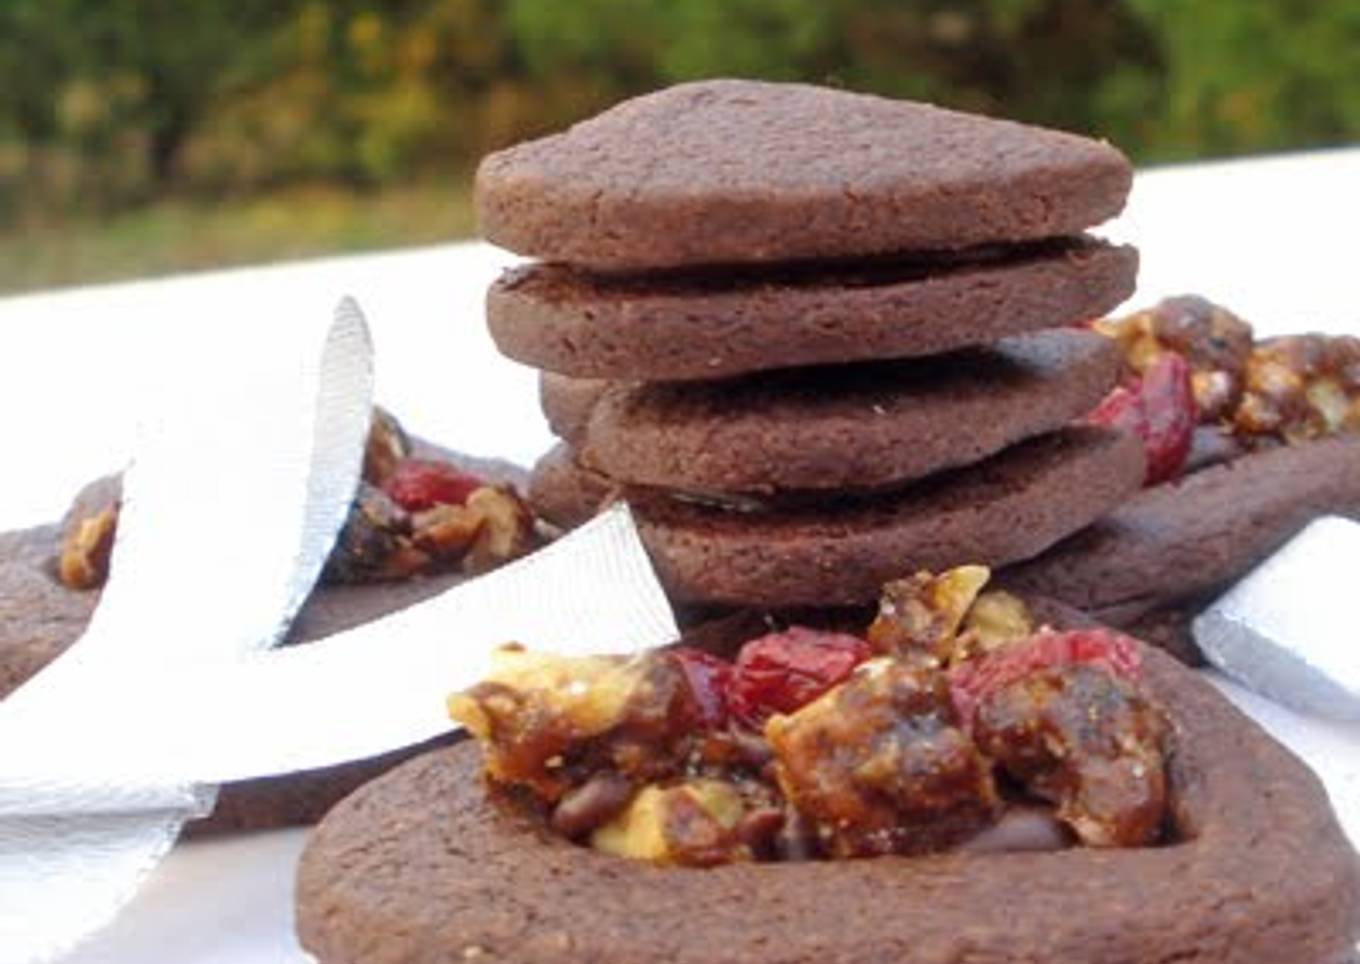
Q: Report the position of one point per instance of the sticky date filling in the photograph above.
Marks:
(956, 728)
(1025, 824)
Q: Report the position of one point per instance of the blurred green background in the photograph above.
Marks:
(144, 136)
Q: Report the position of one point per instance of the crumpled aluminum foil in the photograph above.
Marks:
(1289, 629)
(230, 508)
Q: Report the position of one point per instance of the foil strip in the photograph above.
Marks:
(1287, 629)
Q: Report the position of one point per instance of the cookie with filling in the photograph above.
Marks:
(743, 171)
(1192, 537)
(829, 552)
(844, 427)
(427, 863)
(715, 323)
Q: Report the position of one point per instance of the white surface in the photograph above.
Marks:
(1274, 239)
(223, 901)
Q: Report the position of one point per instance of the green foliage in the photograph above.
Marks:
(1253, 76)
(108, 103)
(748, 38)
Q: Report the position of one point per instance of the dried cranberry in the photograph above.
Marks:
(972, 681)
(783, 672)
(420, 484)
(1170, 414)
(1160, 410)
(708, 677)
(1122, 408)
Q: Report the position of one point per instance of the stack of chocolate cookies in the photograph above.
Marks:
(817, 339)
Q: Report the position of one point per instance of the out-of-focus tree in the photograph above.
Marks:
(793, 40)
(107, 102)
(573, 59)
(364, 94)
(1083, 64)
(160, 62)
(1255, 76)
(102, 95)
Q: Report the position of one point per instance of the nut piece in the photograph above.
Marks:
(921, 615)
(695, 823)
(995, 619)
(85, 550)
(549, 723)
(1301, 387)
(507, 528)
(446, 531)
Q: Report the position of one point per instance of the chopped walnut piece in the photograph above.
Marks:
(921, 615)
(1300, 387)
(879, 764)
(446, 530)
(550, 723)
(85, 550)
(995, 619)
(507, 528)
(695, 823)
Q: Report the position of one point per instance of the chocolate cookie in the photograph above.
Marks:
(1169, 628)
(426, 863)
(740, 171)
(304, 797)
(563, 493)
(847, 427)
(567, 403)
(840, 551)
(1188, 538)
(712, 324)
(39, 617)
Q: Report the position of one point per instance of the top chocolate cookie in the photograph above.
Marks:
(738, 171)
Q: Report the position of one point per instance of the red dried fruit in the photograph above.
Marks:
(973, 681)
(708, 677)
(1160, 410)
(419, 484)
(1171, 416)
(1122, 408)
(783, 672)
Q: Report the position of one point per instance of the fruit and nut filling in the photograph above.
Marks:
(410, 517)
(952, 722)
(1199, 388)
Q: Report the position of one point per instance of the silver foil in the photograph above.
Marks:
(1289, 630)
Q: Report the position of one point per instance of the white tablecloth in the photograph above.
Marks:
(1271, 238)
